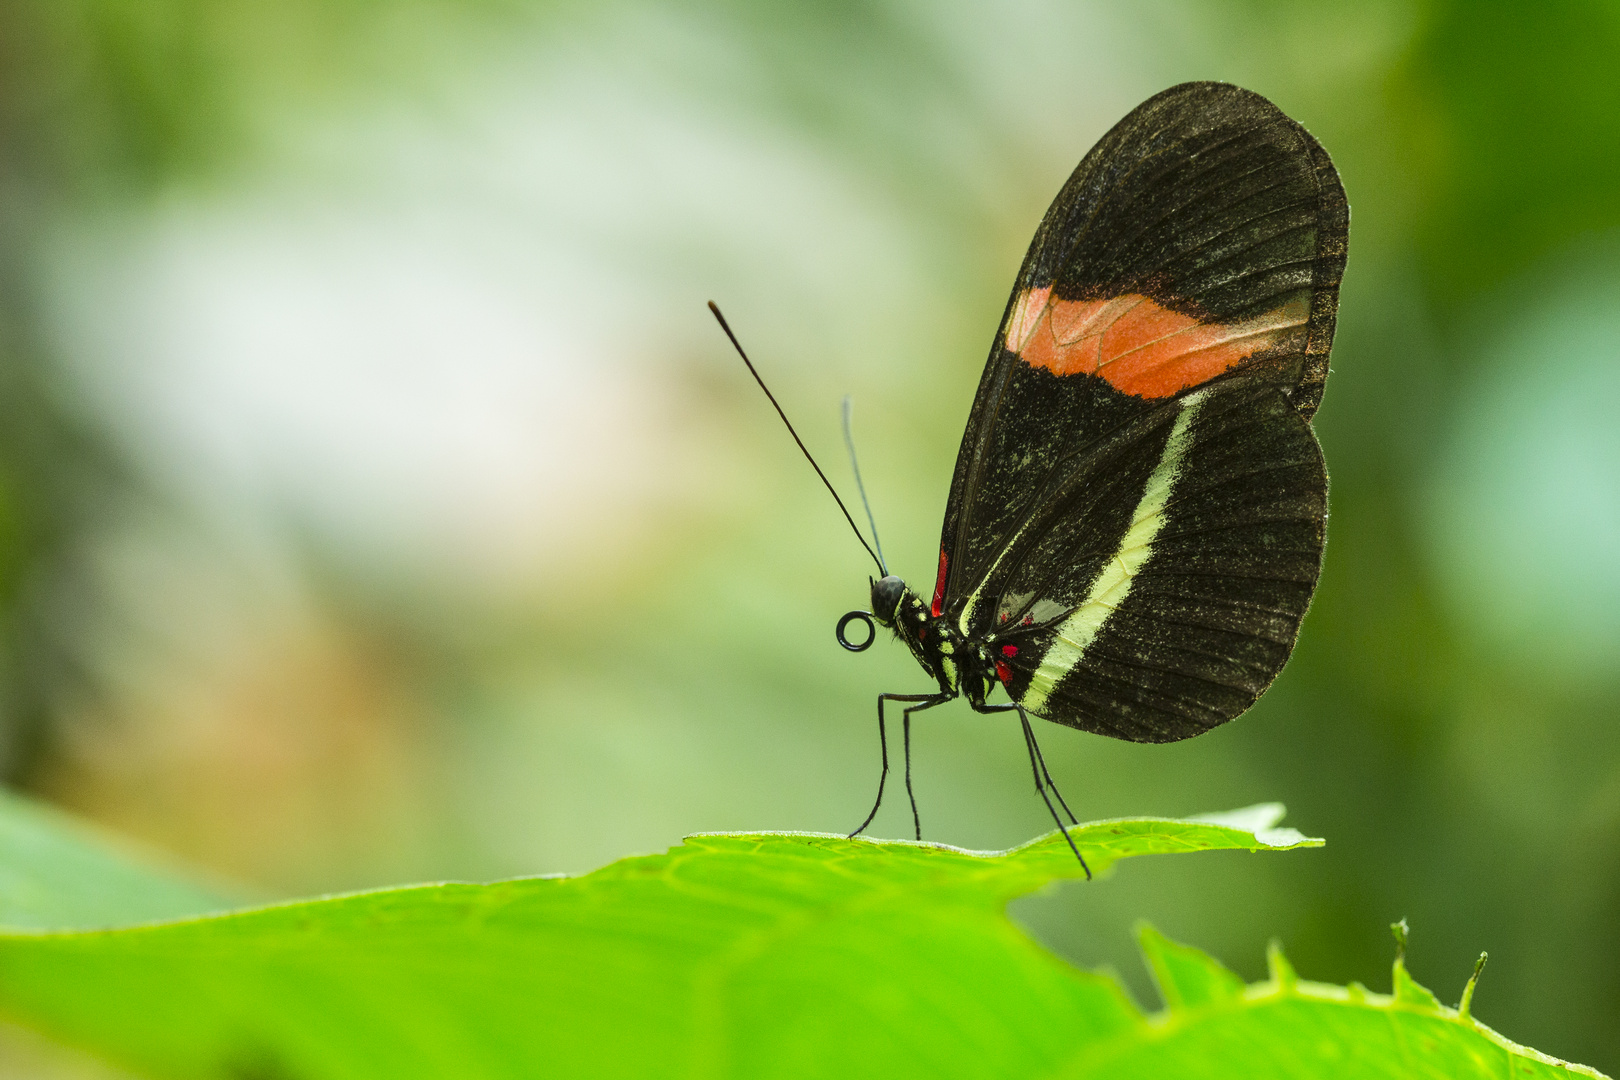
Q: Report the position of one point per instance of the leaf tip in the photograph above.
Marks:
(1186, 977)
(1407, 990)
(1261, 822)
(1465, 1006)
(1282, 972)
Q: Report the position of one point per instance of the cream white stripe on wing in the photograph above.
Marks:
(1113, 585)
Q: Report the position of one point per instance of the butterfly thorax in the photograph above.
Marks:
(959, 665)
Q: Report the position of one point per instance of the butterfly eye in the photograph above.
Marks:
(887, 592)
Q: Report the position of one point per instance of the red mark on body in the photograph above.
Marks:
(1140, 347)
(939, 586)
(1003, 672)
(1009, 650)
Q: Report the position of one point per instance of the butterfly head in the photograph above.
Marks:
(887, 592)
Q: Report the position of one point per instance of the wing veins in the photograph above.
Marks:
(1201, 348)
(1202, 244)
(975, 473)
(1148, 422)
(1142, 666)
(1193, 198)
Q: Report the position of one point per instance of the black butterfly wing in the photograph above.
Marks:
(1204, 571)
(1136, 520)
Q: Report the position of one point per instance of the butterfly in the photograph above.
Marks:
(1137, 516)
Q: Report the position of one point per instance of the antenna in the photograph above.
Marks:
(849, 441)
(736, 345)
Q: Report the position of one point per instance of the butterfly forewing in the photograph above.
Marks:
(1136, 520)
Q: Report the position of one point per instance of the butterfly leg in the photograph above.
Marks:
(883, 743)
(937, 699)
(1037, 766)
(1043, 779)
(1029, 730)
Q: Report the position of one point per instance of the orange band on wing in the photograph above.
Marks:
(1140, 347)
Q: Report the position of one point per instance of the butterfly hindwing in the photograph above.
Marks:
(1137, 515)
(1198, 605)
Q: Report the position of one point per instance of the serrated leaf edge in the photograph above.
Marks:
(1285, 983)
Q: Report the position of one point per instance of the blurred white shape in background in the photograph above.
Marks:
(454, 340)
(451, 341)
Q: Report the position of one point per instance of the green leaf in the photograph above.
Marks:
(1407, 990)
(56, 873)
(1186, 977)
(746, 955)
(1286, 1028)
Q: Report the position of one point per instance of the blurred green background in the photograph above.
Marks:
(378, 501)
